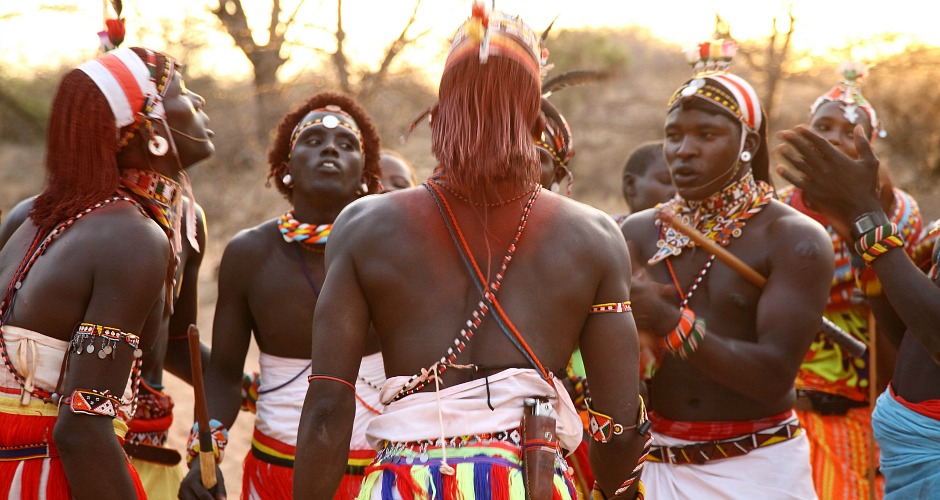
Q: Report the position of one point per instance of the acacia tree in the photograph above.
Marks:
(767, 60)
(266, 59)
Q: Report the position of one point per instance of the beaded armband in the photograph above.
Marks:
(87, 333)
(92, 402)
(878, 241)
(603, 428)
(686, 338)
(612, 307)
(219, 435)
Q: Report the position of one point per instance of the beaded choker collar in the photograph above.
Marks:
(308, 235)
(719, 217)
(161, 197)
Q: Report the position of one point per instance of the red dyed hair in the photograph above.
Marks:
(81, 148)
(484, 126)
(280, 148)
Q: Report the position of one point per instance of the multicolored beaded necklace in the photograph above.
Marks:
(39, 245)
(160, 196)
(719, 217)
(311, 237)
(418, 381)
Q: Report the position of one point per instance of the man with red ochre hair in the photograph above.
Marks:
(99, 250)
(325, 155)
(452, 274)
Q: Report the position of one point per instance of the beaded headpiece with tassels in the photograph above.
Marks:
(732, 94)
(848, 93)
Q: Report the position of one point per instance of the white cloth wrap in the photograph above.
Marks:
(38, 358)
(279, 411)
(777, 472)
(464, 411)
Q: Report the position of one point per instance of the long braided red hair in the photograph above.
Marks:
(484, 126)
(81, 148)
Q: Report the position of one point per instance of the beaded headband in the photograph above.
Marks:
(131, 87)
(496, 33)
(848, 93)
(336, 117)
(712, 82)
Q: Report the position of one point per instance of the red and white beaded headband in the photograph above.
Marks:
(336, 117)
(712, 82)
(127, 84)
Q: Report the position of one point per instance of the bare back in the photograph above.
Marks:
(419, 304)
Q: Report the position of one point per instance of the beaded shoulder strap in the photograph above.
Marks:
(39, 245)
(488, 297)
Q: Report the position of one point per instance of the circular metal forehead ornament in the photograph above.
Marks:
(330, 121)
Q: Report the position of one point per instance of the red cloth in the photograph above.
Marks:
(713, 431)
(929, 408)
(30, 430)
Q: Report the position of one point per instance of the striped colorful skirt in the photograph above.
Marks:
(482, 471)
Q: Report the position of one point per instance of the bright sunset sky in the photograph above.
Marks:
(33, 34)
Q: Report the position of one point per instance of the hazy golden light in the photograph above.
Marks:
(48, 34)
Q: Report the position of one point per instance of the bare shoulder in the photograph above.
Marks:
(788, 222)
(638, 225)
(122, 230)
(251, 245)
(393, 211)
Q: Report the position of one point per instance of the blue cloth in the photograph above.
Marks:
(910, 450)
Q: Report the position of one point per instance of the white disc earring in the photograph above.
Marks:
(363, 188)
(287, 180)
(745, 156)
(157, 145)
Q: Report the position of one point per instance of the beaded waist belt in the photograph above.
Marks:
(511, 436)
(26, 452)
(700, 453)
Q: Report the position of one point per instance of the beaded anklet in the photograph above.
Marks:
(878, 241)
(686, 338)
(219, 434)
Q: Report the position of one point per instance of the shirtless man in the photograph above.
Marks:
(721, 401)
(325, 155)
(117, 151)
(466, 362)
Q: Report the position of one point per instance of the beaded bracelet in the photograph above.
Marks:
(219, 435)
(878, 241)
(92, 402)
(602, 427)
(686, 338)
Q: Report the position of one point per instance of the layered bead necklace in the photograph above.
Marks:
(310, 236)
(719, 217)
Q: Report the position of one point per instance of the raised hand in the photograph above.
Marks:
(834, 183)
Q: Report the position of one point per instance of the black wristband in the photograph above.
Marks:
(868, 221)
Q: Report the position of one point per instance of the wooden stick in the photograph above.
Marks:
(851, 345)
(206, 453)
